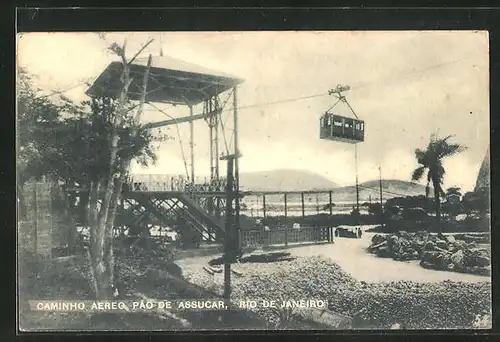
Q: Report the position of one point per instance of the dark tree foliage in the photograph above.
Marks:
(431, 161)
(69, 142)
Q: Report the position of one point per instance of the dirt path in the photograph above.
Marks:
(350, 254)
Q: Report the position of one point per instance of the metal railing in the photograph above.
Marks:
(285, 235)
(175, 183)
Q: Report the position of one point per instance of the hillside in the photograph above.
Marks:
(273, 180)
(284, 179)
(301, 180)
(483, 178)
(390, 188)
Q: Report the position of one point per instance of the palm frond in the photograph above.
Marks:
(455, 190)
(448, 150)
(441, 148)
(418, 173)
(422, 157)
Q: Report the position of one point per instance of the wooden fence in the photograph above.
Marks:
(285, 235)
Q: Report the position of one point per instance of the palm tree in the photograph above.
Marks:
(454, 191)
(431, 160)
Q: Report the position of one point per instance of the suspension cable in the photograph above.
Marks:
(329, 109)
(223, 122)
(178, 135)
(348, 105)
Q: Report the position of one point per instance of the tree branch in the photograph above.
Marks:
(142, 49)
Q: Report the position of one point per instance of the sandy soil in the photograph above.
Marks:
(350, 254)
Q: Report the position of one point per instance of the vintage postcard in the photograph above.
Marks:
(302, 180)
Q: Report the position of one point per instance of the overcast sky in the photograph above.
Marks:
(405, 85)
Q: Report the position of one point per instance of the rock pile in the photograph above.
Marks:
(434, 250)
(450, 305)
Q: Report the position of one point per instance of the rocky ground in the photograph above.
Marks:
(371, 305)
(152, 273)
(460, 252)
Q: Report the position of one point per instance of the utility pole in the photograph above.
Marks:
(230, 240)
(380, 189)
(380, 183)
(191, 142)
(237, 156)
(357, 183)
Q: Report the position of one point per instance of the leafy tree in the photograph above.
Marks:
(431, 161)
(476, 203)
(453, 191)
(452, 206)
(37, 150)
(375, 209)
(91, 146)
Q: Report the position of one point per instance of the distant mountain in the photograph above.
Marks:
(284, 179)
(397, 186)
(273, 180)
(483, 178)
(390, 188)
(301, 180)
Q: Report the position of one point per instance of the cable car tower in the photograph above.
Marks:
(343, 129)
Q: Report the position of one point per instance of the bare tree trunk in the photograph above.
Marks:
(105, 270)
(118, 184)
(92, 209)
(108, 249)
(126, 162)
(103, 221)
(437, 199)
(92, 215)
(82, 206)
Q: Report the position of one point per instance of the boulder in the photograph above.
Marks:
(474, 238)
(374, 248)
(405, 235)
(383, 252)
(451, 248)
(430, 256)
(417, 245)
(433, 237)
(378, 238)
(394, 239)
(459, 244)
(436, 260)
(404, 243)
(450, 239)
(482, 261)
(429, 246)
(471, 245)
(442, 244)
(445, 261)
(426, 264)
(413, 254)
(458, 259)
(478, 257)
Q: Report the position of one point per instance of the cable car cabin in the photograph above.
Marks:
(339, 128)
